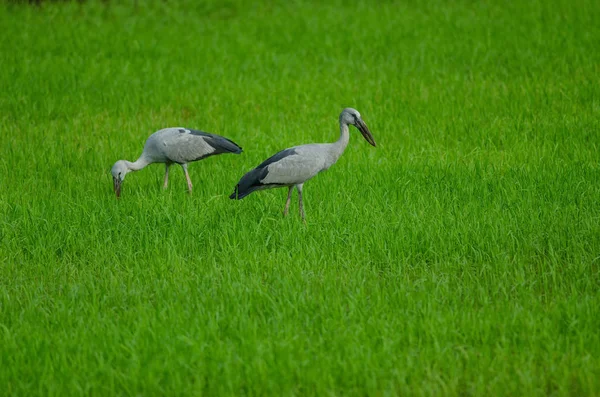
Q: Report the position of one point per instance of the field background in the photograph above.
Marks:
(459, 257)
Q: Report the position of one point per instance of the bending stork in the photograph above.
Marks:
(294, 166)
(174, 145)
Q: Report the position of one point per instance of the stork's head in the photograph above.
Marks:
(351, 116)
(118, 171)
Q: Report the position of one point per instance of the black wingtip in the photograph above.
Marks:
(235, 149)
(233, 195)
(237, 195)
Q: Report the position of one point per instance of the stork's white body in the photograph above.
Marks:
(306, 162)
(178, 145)
(174, 145)
(294, 166)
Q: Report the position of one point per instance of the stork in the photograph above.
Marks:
(174, 145)
(294, 166)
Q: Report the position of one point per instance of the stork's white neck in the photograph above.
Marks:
(138, 164)
(339, 146)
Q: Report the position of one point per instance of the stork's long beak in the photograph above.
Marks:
(117, 186)
(364, 130)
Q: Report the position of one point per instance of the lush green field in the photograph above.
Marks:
(459, 257)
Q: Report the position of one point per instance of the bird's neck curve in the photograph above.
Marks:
(138, 164)
(340, 145)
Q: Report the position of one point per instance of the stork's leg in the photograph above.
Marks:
(299, 187)
(166, 176)
(187, 177)
(287, 203)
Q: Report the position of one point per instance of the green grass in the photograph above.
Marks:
(459, 257)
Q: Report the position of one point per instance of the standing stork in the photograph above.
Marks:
(174, 145)
(296, 165)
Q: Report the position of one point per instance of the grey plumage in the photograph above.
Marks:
(252, 180)
(219, 143)
(294, 166)
(182, 145)
(174, 145)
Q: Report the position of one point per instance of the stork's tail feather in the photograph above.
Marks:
(241, 191)
(234, 195)
(237, 150)
(223, 145)
(249, 183)
(237, 195)
(231, 147)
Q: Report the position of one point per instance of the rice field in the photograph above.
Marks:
(461, 256)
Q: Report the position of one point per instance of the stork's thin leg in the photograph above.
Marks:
(187, 177)
(299, 187)
(166, 176)
(287, 203)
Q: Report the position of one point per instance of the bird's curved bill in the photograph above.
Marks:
(117, 186)
(364, 130)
